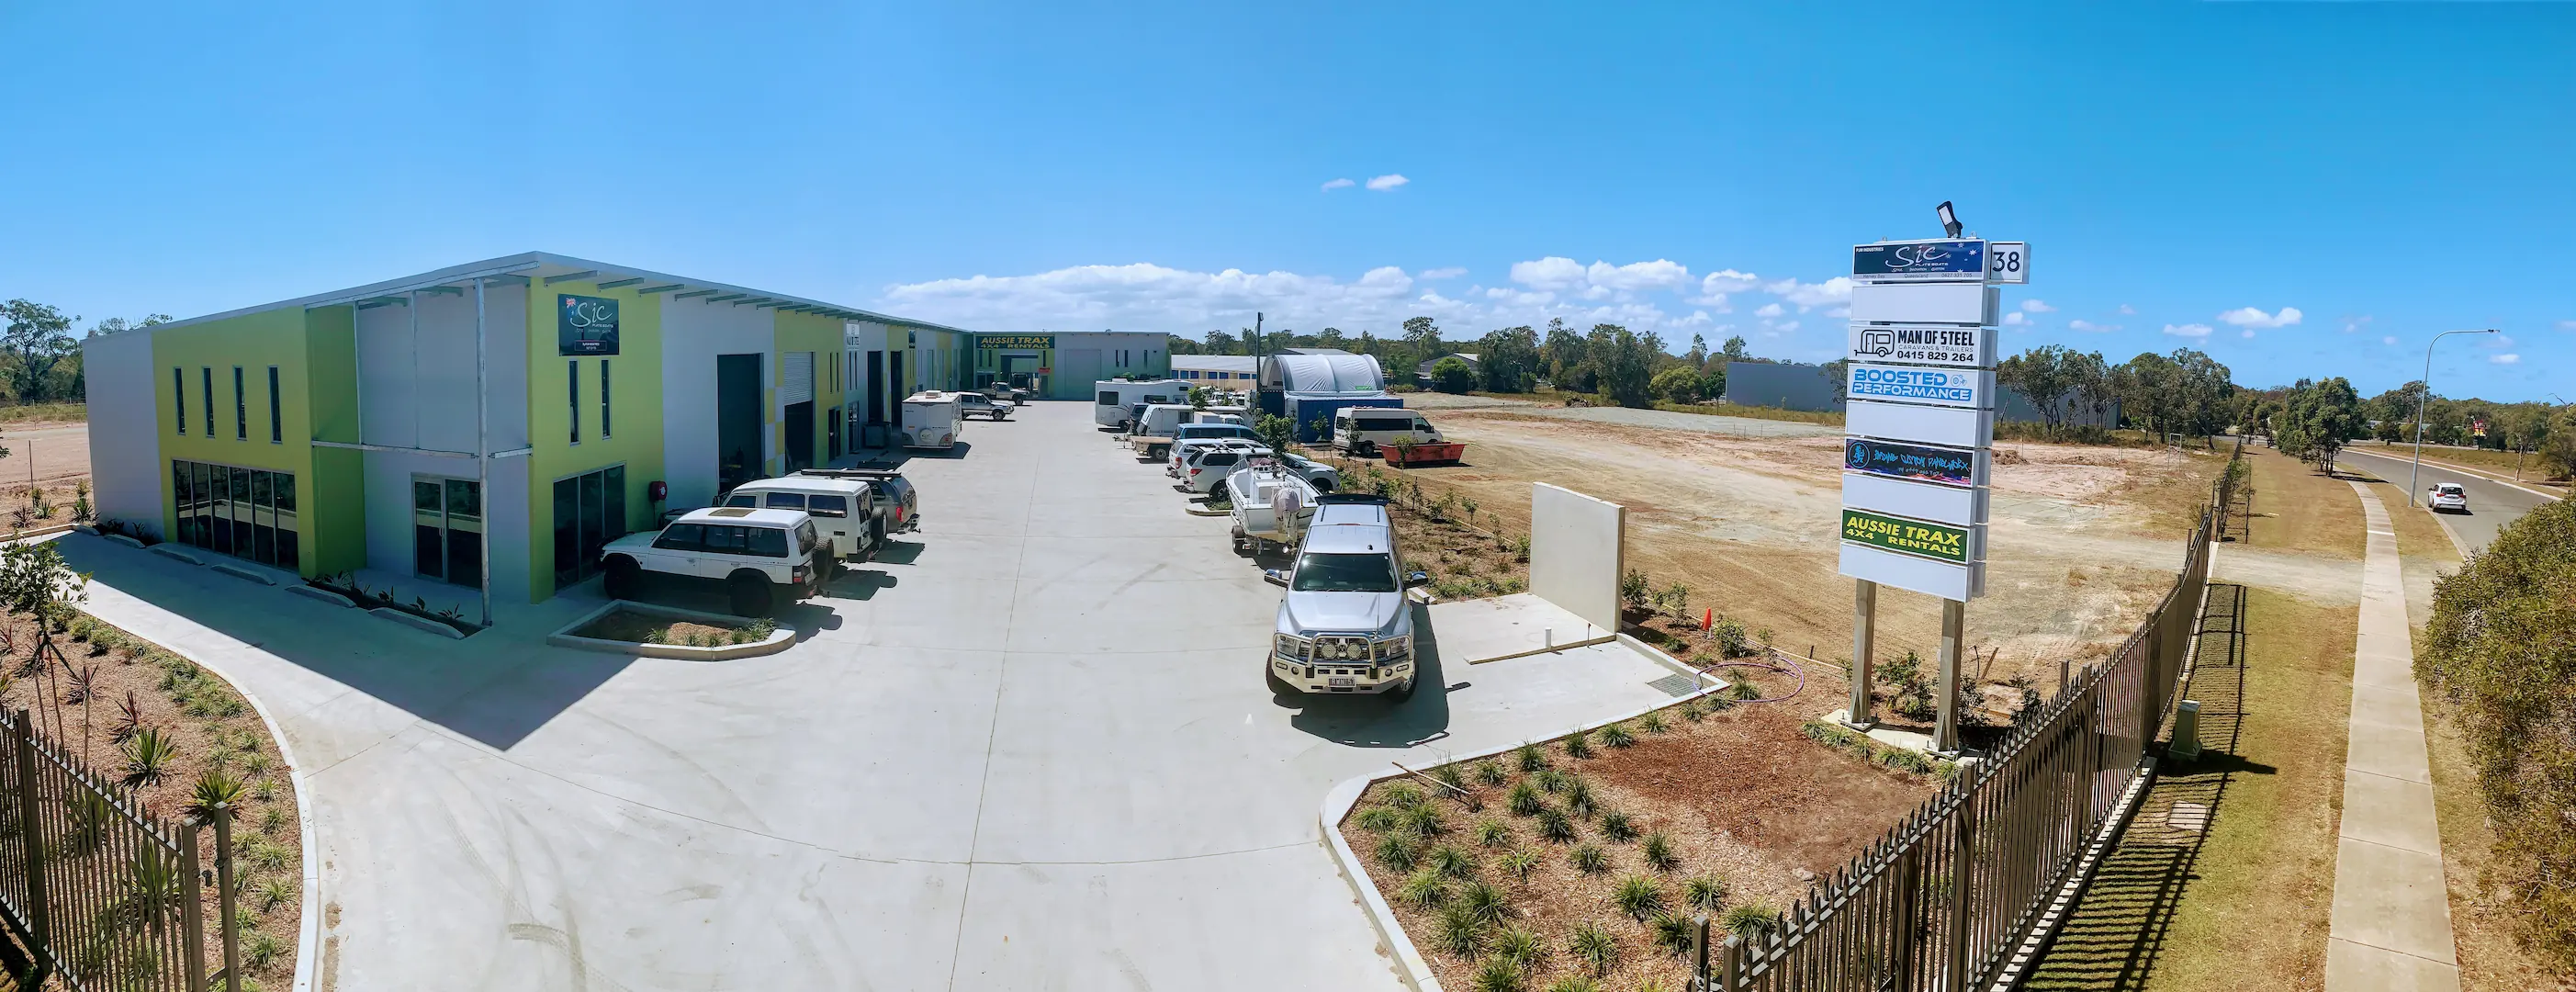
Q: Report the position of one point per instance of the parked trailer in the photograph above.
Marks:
(932, 420)
(1272, 506)
(1114, 398)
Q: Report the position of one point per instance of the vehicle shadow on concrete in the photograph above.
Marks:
(1376, 721)
(894, 458)
(495, 687)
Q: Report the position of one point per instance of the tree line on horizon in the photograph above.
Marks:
(40, 360)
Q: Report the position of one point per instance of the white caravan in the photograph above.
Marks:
(933, 420)
(1114, 399)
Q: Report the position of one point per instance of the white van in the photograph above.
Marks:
(1360, 430)
(843, 509)
(1151, 435)
(1113, 398)
(932, 419)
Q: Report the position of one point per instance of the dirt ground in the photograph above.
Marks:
(1782, 805)
(57, 454)
(214, 728)
(2084, 539)
(646, 628)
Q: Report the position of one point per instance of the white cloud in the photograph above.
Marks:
(1770, 310)
(2567, 325)
(2391, 339)
(2507, 358)
(2251, 317)
(1788, 326)
(1552, 272)
(1811, 294)
(2016, 319)
(2188, 330)
(1387, 182)
(1334, 184)
(1657, 274)
(2080, 324)
(1726, 281)
(2351, 324)
(1148, 297)
(2037, 306)
(2128, 311)
(1444, 272)
(2249, 332)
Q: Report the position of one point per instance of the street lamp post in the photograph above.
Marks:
(2420, 399)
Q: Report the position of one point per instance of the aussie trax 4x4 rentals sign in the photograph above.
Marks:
(1939, 542)
(1944, 387)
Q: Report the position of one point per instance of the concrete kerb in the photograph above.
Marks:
(563, 637)
(417, 623)
(127, 541)
(319, 594)
(1410, 965)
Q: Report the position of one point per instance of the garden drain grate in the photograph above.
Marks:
(1676, 684)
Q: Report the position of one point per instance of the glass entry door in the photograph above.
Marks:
(447, 529)
(590, 511)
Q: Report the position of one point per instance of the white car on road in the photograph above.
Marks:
(2448, 496)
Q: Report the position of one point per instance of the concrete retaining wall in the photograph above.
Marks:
(1577, 552)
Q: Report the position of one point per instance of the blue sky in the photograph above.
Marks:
(2187, 174)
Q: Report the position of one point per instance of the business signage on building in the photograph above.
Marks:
(585, 325)
(1959, 260)
(1014, 342)
(1922, 538)
(1923, 344)
(1911, 462)
(1906, 384)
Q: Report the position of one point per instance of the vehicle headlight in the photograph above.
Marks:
(1289, 645)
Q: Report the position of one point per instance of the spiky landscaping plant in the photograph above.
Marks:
(1578, 745)
(1397, 852)
(1654, 723)
(1618, 735)
(1490, 772)
(1460, 932)
(1618, 827)
(146, 754)
(1502, 974)
(1659, 852)
(1425, 889)
(1492, 834)
(1525, 800)
(1518, 863)
(1751, 919)
(1590, 859)
(1704, 893)
(1672, 933)
(1423, 821)
(1638, 896)
(1451, 860)
(1485, 901)
(1579, 798)
(1529, 758)
(1555, 825)
(1593, 946)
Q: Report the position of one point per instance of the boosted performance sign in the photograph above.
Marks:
(1938, 542)
(1919, 385)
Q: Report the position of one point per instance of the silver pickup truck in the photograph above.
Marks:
(1345, 625)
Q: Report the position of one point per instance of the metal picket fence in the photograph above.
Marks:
(102, 894)
(1942, 902)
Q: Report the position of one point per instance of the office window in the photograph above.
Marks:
(241, 408)
(604, 429)
(572, 382)
(179, 396)
(276, 422)
(206, 377)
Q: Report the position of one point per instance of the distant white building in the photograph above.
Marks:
(1226, 368)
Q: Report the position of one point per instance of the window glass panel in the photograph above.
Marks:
(465, 558)
(768, 542)
(572, 382)
(424, 495)
(241, 408)
(287, 556)
(828, 506)
(429, 550)
(208, 479)
(682, 537)
(206, 382)
(604, 429)
(613, 507)
(179, 396)
(464, 499)
(786, 501)
(276, 422)
(285, 493)
(724, 539)
(743, 499)
(593, 536)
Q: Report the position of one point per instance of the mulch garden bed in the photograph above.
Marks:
(207, 725)
(650, 628)
(1584, 857)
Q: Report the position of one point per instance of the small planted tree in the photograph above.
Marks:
(37, 584)
(1634, 590)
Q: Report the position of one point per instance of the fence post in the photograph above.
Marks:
(1699, 953)
(1962, 865)
(1734, 955)
(192, 916)
(1908, 911)
(32, 839)
(224, 896)
(2151, 683)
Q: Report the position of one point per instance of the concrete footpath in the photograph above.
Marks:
(2391, 928)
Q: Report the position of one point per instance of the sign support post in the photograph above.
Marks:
(1864, 650)
(1954, 622)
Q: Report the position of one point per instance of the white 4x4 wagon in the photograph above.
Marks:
(763, 559)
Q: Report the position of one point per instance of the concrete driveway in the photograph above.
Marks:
(1031, 749)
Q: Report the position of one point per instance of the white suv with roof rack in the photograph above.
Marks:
(1345, 625)
(762, 559)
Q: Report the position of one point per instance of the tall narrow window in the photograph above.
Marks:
(241, 408)
(604, 429)
(572, 382)
(206, 377)
(276, 421)
(179, 396)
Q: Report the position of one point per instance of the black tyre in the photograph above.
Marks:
(1401, 693)
(750, 593)
(622, 578)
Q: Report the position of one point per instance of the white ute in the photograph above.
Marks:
(761, 558)
(1345, 625)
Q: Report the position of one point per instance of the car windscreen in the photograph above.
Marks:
(805, 538)
(1344, 573)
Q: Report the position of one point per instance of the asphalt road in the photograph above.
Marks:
(2492, 504)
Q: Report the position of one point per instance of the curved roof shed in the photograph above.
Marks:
(1336, 374)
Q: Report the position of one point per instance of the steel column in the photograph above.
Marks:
(1954, 618)
(482, 452)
